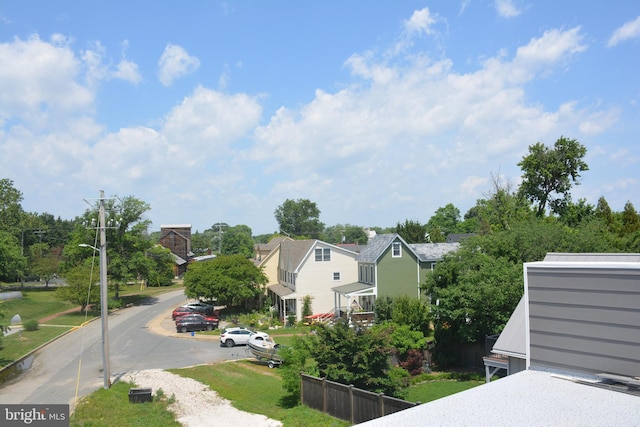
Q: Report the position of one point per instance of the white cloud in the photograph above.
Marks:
(128, 71)
(207, 121)
(421, 22)
(174, 63)
(39, 81)
(630, 30)
(506, 8)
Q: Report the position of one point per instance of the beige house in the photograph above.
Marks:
(310, 268)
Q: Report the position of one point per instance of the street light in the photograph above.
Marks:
(104, 302)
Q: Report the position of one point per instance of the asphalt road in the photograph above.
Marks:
(140, 337)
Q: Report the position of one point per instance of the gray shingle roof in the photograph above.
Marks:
(376, 247)
(433, 251)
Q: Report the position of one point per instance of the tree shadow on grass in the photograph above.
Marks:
(289, 401)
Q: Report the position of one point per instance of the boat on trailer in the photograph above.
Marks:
(265, 349)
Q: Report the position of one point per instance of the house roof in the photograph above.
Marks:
(433, 251)
(353, 288)
(528, 398)
(294, 252)
(280, 290)
(377, 245)
(423, 251)
(513, 339)
(272, 244)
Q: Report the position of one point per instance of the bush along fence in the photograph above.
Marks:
(347, 402)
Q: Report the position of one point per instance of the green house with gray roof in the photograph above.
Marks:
(389, 266)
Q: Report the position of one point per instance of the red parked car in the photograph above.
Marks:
(182, 311)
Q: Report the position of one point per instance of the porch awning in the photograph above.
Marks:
(280, 290)
(356, 288)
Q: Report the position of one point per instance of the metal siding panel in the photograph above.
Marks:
(563, 359)
(592, 330)
(586, 314)
(586, 299)
(605, 349)
(585, 318)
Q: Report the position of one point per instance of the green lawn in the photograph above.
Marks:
(16, 345)
(34, 304)
(107, 408)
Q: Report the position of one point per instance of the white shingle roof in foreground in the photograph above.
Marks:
(528, 398)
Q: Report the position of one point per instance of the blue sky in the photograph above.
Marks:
(376, 111)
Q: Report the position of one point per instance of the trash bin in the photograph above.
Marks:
(140, 395)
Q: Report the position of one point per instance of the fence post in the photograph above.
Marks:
(351, 409)
(324, 396)
(302, 387)
(381, 403)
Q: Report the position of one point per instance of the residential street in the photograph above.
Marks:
(140, 337)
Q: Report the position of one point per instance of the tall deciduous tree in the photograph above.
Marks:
(548, 173)
(232, 280)
(299, 218)
(237, 240)
(12, 263)
(445, 219)
(126, 234)
(10, 207)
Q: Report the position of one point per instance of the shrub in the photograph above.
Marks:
(30, 325)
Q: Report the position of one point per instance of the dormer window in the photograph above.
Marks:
(323, 254)
(396, 250)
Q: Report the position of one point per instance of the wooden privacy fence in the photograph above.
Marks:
(347, 402)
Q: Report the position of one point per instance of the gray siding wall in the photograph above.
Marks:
(585, 318)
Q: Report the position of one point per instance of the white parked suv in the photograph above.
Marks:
(236, 336)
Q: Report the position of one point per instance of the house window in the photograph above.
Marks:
(323, 254)
(361, 274)
(371, 275)
(396, 250)
(336, 275)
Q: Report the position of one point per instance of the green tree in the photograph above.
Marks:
(232, 280)
(630, 220)
(44, 263)
(474, 295)
(412, 231)
(345, 233)
(237, 240)
(12, 263)
(306, 306)
(572, 214)
(548, 173)
(126, 235)
(10, 208)
(403, 310)
(357, 356)
(501, 208)
(82, 287)
(160, 266)
(445, 218)
(299, 218)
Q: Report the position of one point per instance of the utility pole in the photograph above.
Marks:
(104, 295)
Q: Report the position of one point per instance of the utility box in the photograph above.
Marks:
(140, 395)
